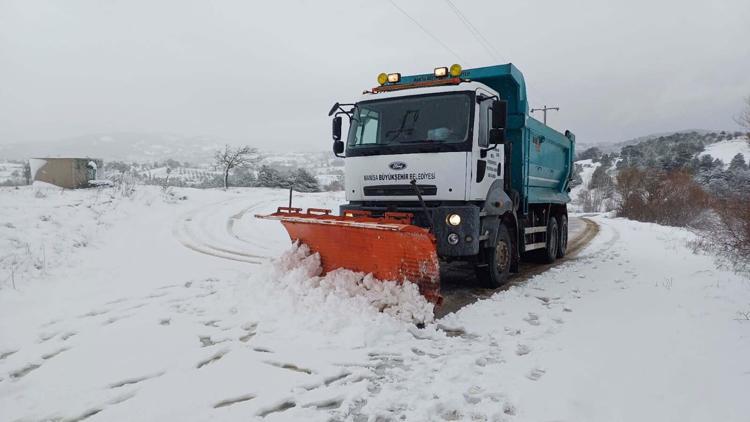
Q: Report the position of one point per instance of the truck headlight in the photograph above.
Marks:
(453, 219)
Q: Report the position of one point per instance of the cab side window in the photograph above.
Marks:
(367, 129)
(484, 123)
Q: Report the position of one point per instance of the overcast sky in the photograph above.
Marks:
(266, 73)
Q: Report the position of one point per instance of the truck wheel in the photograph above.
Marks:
(549, 253)
(498, 260)
(562, 241)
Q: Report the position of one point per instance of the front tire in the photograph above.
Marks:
(498, 259)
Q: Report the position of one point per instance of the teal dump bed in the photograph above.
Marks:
(542, 158)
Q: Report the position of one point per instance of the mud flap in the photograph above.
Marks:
(389, 247)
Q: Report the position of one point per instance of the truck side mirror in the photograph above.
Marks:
(336, 128)
(499, 120)
(497, 136)
(338, 148)
(499, 114)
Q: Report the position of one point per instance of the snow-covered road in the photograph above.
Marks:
(131, 325)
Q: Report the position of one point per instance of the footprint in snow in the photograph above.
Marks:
(512, 331)
(22, 372)
(6, 353)
(286, 405)
(47, 336)
(112, 320)
(207, 341)
(234, 400)
(68, 335)
(136, 380)
(95, 312)
(216, 356)
(290, 367)
(250, 329)
(522, 350)
(116, 301)
(473, 395)
(328, 404)
(532, 319)
(535, 374)
(55, 353)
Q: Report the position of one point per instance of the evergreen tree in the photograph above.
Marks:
(27, 172)
(269, 177)
(244, 177)
(592, 153)
(706, 162)
(304, 181)
(738, 163)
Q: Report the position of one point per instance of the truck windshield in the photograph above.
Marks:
(427, 120)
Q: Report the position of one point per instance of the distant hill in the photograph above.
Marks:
(706, 136)
(138, 147)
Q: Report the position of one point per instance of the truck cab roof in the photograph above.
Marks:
(504, 79)
(470, 86)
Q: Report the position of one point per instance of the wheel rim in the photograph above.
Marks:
(502, 257)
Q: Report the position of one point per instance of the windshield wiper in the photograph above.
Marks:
(417, 141)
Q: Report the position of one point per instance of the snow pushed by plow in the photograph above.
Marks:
(299, 273)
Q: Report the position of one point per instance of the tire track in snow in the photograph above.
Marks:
(458, 293)
(192, 232)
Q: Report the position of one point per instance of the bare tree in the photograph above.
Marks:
(229, 158)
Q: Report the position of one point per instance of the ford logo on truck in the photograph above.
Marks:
(397, 165)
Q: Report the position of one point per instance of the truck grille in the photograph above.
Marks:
(399, 190)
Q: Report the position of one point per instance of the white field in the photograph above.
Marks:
(726, 150)
(171, 307)
(7, 169)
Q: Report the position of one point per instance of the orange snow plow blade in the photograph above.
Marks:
(389, 247)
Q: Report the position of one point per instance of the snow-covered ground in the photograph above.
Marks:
(171, 308)
(10, 171)
(726, 150)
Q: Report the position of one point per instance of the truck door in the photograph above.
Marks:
(487, 169)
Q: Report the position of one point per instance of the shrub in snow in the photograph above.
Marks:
(671, 199)
(304, 181)
(727, 236)
(592, 153)
(269, 177)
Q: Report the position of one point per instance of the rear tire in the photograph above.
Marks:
(549, 253)
(562, 240)
(498, 259)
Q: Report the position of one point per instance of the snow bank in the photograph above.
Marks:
(298, 273)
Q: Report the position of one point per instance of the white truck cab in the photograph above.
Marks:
(458, 150)
(434, 135)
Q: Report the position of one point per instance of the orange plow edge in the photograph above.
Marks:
(389, 247)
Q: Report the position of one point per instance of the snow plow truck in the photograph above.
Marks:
(441, 167)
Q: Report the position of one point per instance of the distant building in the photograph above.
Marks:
(71, 173)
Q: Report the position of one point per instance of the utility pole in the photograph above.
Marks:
(544, 110)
